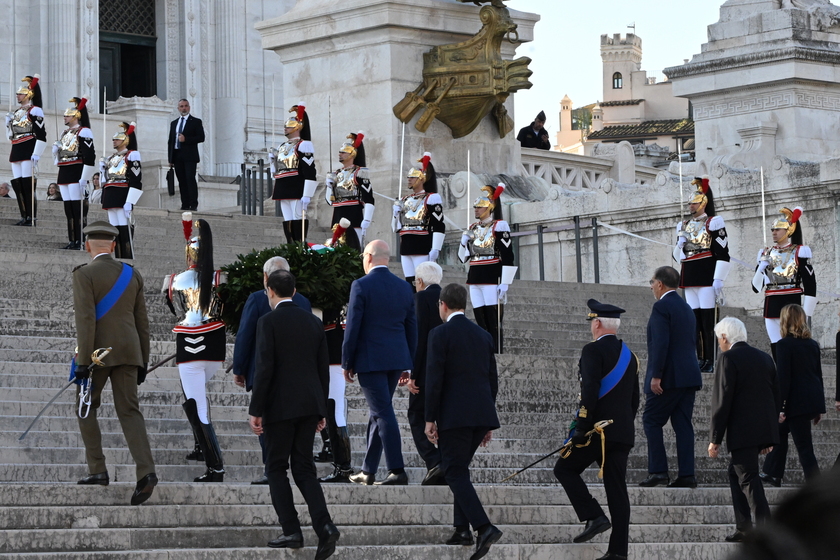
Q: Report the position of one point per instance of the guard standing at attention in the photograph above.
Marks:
(75, 157)
(122, 187)
(25, 128)
(348, 190)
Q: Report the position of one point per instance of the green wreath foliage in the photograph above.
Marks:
(323, 277)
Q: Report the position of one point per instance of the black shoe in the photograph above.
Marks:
(287, 541)
(684, 482)
(339, 475)
(143, 490)
(737, 536)
(394, 480)
(484, 540)
(771, 480)
(77, 245)
(708, 366)
(325, 455)
(434, 477)
(262, 480)
(211, 475)
(68, 246)
(461, 538)
(101, 479)
(195, 454)
(362, 477)
(326, 543)
(611, 556)
(655, 479)
(20, 222)
(593, 527)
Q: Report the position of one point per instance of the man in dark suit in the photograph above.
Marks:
(609, 390)
(672, 380)
(427, 280)
(379, 344)
(535, 135)
(123, 327)
(245, 346)
(745, 404)
(288, 405)
(185, 134)
(461, 388)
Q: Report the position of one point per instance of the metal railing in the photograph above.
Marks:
(540, 230)
(255, 185)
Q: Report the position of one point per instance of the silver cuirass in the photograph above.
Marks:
(185, 296)
(345, 185)
(783, 265)
(68, 145)
(699, 239)
(20, 123)
(483, 240)
(413, 213)
(287, 158)
(116, 168)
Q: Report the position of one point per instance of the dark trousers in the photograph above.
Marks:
(417, 421)
(187, 185)
(264, 453)
(457, 447)
(568, 472)
(747, 490)
(676, 405)
(800, 428)
(293, 440)
(383, 432)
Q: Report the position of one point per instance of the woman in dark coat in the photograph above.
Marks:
(801, 390)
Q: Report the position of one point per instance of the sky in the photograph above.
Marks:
(565, 53)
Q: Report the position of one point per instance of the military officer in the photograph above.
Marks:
(124, 327)
(785, 272)
(293, 168)
(418, 218)
(609, 390)
(25, 128)
(703, 251)
(122, 186)
(348, 190)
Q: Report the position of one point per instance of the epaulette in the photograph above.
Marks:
(363, 173)
(80, 266)
(804, 252)
(715, 223)
(306, 147)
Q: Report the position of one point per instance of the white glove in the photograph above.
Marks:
(271, 156)
(8, 118)
(433, 255)
(127, 209)
(502, 289)
(681, 240)
(330, 180)
(365, 226)
(763, 264)
(55, 148)
(718, 286)
(304, 201)
(35, 158)
(397, 209)
(465, 238)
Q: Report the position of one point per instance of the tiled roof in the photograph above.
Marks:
(682, 127)
(617, 103)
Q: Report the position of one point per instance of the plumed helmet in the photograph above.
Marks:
(489, 197)
(79, 111)
(788, 220)
(300, 121)
(355, 148)
(126, 135)
(31, 89)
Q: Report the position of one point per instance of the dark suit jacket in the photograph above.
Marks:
(125, 328)
(428, 317)
(745, 399)
(461, 377)
(800, 376)
(292, 377)
(193, 136)
(381, 333)
(620, 405)
(672, 353)
(527, 138)
(245, 346)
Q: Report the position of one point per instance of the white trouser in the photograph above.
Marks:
(410, 262)
(22, 169)
(292, 209)
(73, 191)
(700, 298)
(337, 385)
(194, 378)
(483, 294)
(116, 217)
(773, 330)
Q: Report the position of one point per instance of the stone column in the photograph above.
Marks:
(229, 87)
(64, 53)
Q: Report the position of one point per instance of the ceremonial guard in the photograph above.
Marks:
(75, 157)
(487, 246)
(293, 168)
(702, 250)
(25, 128)
(785, 272)
(349, 191)
(418, 218)
(122, 186)
(603, 430)
(200, 337)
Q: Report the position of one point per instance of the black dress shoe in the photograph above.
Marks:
(461, 538)
(484, 540)
(100, 478)
(363, 478)
(143, 490)
(655, 479)
(326, 543)
(211, 475)
(394, 480)
(68, 246)
(262, 480)
(434, 477)
(20, 222)
(684, 482)
(611, 556)
(708, 366)
(294, 540)
(195, 455)
(737, 536)
(339, 475)
(771, 480)
(593, 527)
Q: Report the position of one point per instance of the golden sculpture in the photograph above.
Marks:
(465, 82)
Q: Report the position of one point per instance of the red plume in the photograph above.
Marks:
(425, 160)
(82, 103)
(339, 230)
(704, 185)
(498, 192)
(301, 109)
(186, 222)
(357, 141)
(130, 129)
(796, 214)
(35, 79)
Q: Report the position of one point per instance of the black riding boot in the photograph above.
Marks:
(19, 198)
(287, 231)
(478, 313)
(325, 455)
(124, 243)
(708, 339)
(29, 210)
(209, 443)
(698, 337)
(76, 211)
(410, 280)
(494, 326)
(340, 440)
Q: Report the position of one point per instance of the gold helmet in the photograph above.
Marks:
(296, 122)
(489, 196)
(76, 110)
(787, 220)
(355, 142)
(421, 173)
(125, 133)
(29, 89)
(699, 196)
(193, 241)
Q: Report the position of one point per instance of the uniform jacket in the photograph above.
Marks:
(672, 355)
(244, 349)
(745, 399)
(125, 328)
(527, 138)
(381, 333)
(461, 377)
(193, 136)
(620, 405)
(428, 317)
(292, 377)
(800, 377)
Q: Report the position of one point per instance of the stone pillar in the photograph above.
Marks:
(229, 90)
(62, 78)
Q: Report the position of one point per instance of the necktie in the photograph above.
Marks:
(180, 131)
